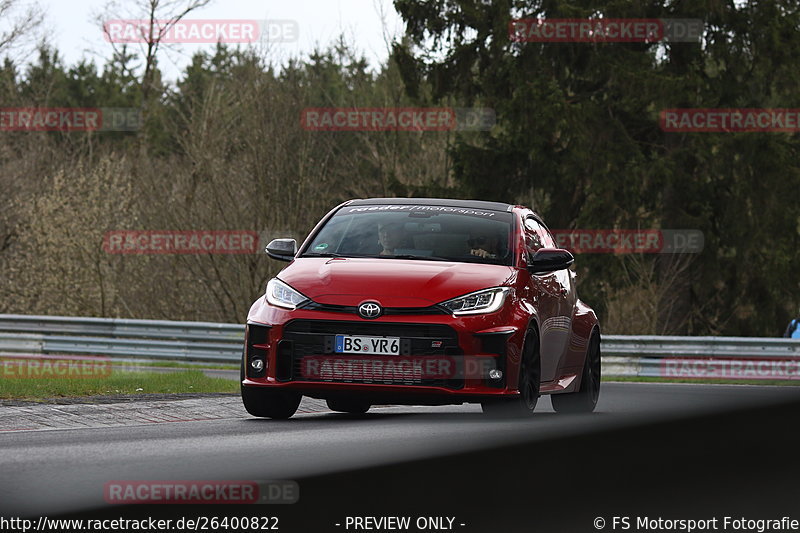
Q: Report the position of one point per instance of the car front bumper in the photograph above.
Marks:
(444, 359)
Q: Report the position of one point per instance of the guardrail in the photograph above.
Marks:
(760, 358)
(121, 338)
(623, 355)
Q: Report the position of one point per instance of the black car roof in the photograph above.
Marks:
(475, 204)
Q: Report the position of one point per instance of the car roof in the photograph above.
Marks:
(475, 204)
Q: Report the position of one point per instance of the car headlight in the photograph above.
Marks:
(282, 295)
(474, 303)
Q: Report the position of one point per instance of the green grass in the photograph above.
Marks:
(170, 364)
(652, 379)
(141, 383)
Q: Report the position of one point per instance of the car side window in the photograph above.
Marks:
(547, 238)
(537, 236)
(533, 240)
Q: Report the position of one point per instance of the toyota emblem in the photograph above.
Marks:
(370, 310)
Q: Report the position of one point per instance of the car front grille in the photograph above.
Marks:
(315, 338)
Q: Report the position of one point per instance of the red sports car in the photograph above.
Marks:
(422, 302)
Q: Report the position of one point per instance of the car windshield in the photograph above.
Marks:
(433, 233)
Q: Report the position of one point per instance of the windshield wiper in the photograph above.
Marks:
(411, 256)
(326, 254)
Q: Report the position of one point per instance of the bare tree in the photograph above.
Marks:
(159, 16)
(20, 22)
(648, 301)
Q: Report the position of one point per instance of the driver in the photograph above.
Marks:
(390, 237)
(484, 244)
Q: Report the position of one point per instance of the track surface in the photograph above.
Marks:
(57, 471)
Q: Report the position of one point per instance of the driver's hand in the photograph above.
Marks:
(480, 252)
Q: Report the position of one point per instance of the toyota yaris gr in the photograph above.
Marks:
(422, 301)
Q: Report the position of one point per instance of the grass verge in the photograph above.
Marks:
(188, 381)
(169, 364)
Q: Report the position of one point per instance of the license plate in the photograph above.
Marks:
(367, 345)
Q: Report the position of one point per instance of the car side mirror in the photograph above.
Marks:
(549, 260)
(282, 249)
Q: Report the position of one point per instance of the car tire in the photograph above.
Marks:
(530, 374)
(270, 403)
(584, 400)
(344, 405)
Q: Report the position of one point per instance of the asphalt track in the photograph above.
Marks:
(665, 448)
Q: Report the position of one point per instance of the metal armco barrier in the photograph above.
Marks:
(624, 355)
(753, 358)
(121, 338)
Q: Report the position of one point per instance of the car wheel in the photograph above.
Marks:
(344, 405)
(585, 400)
(529, 379)
(270, 403)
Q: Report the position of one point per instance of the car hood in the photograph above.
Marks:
(390, 282)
